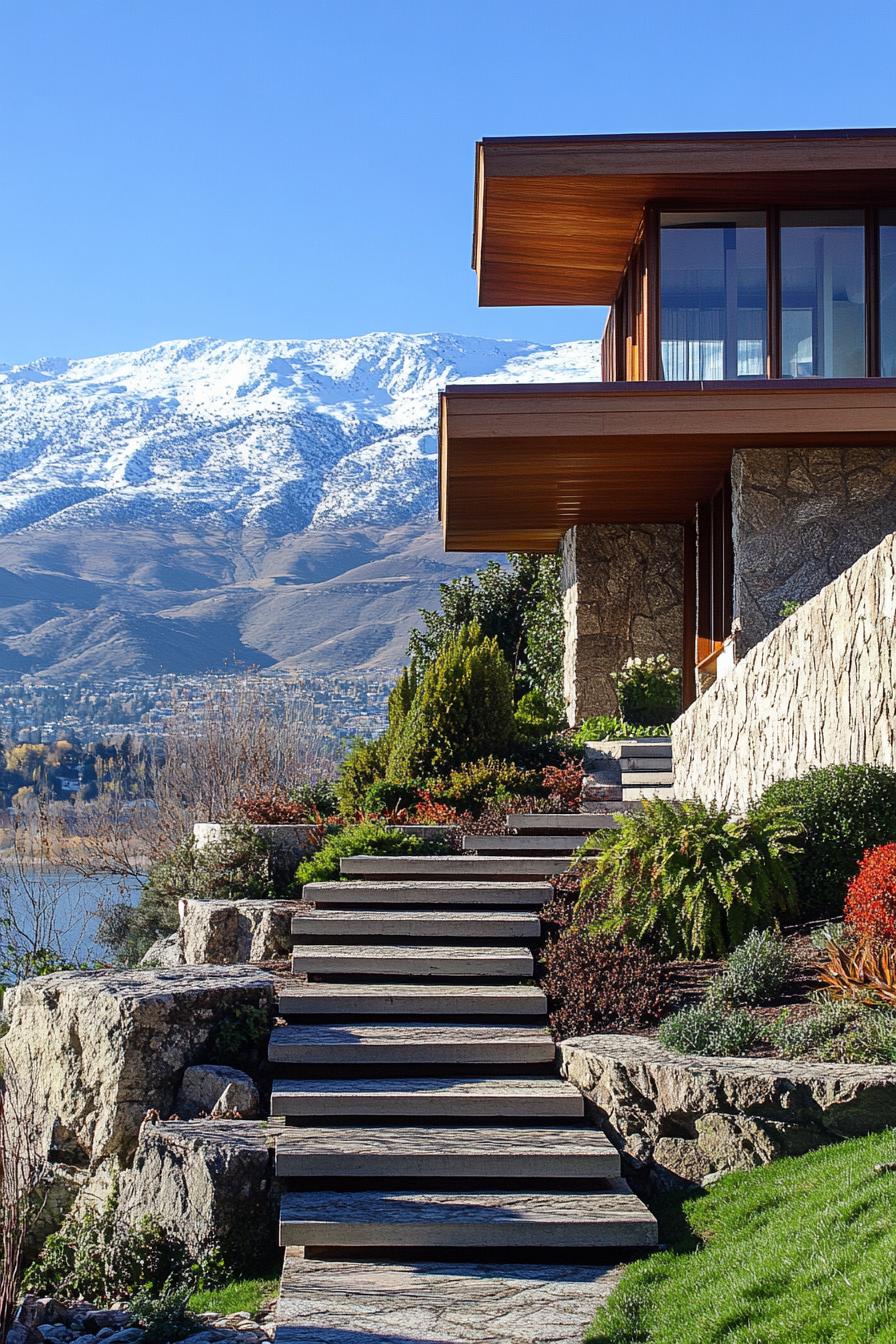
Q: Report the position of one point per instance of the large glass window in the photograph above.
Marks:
(888, 293)
(713, 296)
(822, 294)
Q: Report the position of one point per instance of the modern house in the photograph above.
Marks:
(737, 449)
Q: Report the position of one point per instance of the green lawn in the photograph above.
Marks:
(799, 1252)
(241, 1295)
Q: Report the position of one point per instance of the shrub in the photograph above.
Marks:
(595, 983)
(98, 1258)
(298, 807)
(608, 728)
(472, 787)
(237, 866)
(364, 765)
(536, 716)
(163, 1316)
(839, 1032)
(691, 878)
(871, 895)
(241, 1033)
(429, 811)
(368, 837)
(384, 797)
(844, 810)
(563, 784)
(462, 711)
(756, 970)
(709, 1028)
(866, 972)
(648, 690)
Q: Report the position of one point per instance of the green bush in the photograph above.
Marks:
(236, 867)
(99, 1258)
(691, 878)
(240, 1034)
(844, 810)
(364, 766)
(843, 1032)
(385, 796)
(369, 837)
(317, 798)
(473, 787)
(462, 711)
(756, 970)
(608, 728)
(709, 1028)
(536, 716)
(648, 690)
(163, 1316)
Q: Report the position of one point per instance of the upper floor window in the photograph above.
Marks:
(822, 294)
(888, 293)
(713, 295)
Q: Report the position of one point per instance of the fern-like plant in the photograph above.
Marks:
(690, 878)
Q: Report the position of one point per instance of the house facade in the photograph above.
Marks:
(737, 449)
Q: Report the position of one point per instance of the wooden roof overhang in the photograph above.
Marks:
(519, 465)
(555, 218)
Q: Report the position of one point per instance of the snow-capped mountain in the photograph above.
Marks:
(282, 434)
(201, 501)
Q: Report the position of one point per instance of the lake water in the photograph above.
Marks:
(75, 901)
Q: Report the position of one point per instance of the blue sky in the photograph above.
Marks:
(300, 168)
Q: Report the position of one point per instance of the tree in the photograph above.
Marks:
(463, 709)
(519, 607)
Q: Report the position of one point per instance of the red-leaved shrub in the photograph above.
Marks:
(275, 809)
(871, 895)
(563, 784)
(596, 983)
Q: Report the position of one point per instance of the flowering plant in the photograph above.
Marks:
(648, 690)
(871, 895)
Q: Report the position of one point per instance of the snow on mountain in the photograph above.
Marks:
(284, 435)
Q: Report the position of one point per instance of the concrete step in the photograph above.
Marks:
(424, 1000)
(434, 961)
(637, 793)
(650, 765)
(646, 778)
(451, 867)
(522, 845)
(415, 924)
(405, 1099)
(611, 1216)
(632, 746)
(409, 1302)
(456, 1153)
(560, 823)
(526, 895)
(373, 1043)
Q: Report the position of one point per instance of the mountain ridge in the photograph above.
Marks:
(206, 501)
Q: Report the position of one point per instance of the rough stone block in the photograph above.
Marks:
(227, 933)
(216, 1089)
(100, 1048)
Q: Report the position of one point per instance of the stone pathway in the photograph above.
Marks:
(425, 1117)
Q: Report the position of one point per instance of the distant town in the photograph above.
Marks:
(37, 711)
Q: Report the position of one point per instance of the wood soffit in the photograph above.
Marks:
(519, 465)
(556, 218)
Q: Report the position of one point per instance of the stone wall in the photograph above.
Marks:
(801, 516)
(622, 597)
(687, 1118)
(819, 690)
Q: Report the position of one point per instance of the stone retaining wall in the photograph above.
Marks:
(819, 690)
(684, 1118)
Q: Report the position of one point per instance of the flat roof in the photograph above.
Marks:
(521, 464)
(556, 217)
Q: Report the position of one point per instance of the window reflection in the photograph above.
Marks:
(822, 294)
(713, 296)
(888, 293)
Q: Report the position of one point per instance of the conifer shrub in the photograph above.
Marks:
(871, 895)
(368, 837)
(472, 787)
(843, 810)
(536, 716)
(691, 879)
(364, 766)
(462, 711)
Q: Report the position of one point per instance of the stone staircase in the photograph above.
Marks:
(429, 1138)
(625, 773)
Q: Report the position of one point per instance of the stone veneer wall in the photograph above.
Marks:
(622, 597)
(819, 690)
(801, 516)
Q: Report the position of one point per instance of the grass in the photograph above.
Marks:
(799, 1252)
(240, 1295)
